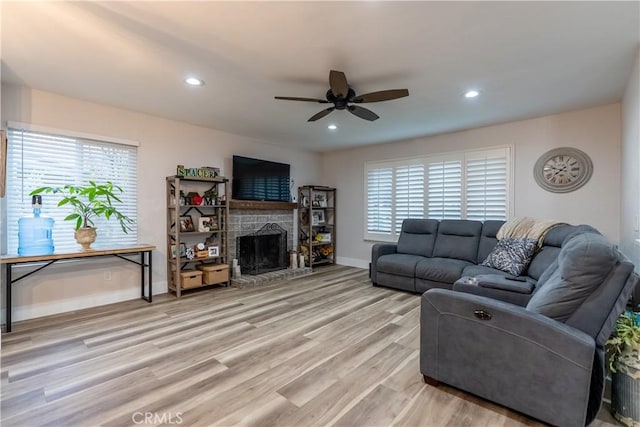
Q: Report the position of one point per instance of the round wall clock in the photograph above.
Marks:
(562, 170)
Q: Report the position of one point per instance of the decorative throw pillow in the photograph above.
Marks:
(511, 255)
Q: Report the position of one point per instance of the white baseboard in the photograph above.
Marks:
(353, 262)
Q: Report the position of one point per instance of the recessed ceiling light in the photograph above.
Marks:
(332, 127)
(471, 94)
(194, 81)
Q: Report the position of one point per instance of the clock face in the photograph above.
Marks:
(563, 169)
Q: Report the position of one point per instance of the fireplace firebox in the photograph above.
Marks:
(263, 251)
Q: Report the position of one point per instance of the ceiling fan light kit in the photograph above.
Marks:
(342, 96)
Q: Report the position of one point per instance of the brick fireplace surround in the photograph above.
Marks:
(249, 217)
(247, 221)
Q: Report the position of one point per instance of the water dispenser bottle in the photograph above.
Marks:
(35, 234)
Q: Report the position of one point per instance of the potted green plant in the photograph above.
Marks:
(623, 351)
(89, 202)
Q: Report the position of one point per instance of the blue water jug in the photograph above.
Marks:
(35, 235)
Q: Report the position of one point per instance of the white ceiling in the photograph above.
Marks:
(526, 58)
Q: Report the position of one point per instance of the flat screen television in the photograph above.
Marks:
(255, 179)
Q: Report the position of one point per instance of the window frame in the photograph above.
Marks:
(83, 142)
(463, 155)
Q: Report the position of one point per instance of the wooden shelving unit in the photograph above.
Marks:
(317, 224)
(180, 265)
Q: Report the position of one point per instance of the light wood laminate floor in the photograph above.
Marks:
(325, 349)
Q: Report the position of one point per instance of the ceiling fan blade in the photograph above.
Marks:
(293, 98)
(321, 114)
(383, 95)
(338, 83)
(363, 113)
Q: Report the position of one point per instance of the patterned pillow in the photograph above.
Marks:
(511, 255)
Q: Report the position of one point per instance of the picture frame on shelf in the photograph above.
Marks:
(207, 223)
(186, 223)
(214, 223)
(320, 200)
(325, 237)
(214, 251)
(183, 250)
(317, 218)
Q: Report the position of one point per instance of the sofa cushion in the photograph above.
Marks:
(584, 262)
(551, 245)
(418, 236)
(400, 264)
(488, 238)
(458, 239)
(511, 255)
(542, 260)
(441, 269)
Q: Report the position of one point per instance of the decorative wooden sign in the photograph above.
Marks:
(202, 172)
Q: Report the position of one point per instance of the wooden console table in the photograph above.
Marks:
(117, 251)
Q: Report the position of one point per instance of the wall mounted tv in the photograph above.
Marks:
(255, 179)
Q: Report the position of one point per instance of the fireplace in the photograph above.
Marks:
(262, 251)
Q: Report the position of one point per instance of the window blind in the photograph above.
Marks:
(379, 200)
(486, 187)
(464, 185)
(38, 159)
(445, 190)
(409, 194)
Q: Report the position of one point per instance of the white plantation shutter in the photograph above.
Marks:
(409, 193)
(37, 159)
(487, 185)
(473, 185)
(444, 187)
(379, 200)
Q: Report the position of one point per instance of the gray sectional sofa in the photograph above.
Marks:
(534, 343)
(547, 359)
(435, 254)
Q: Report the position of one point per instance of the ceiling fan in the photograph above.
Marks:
(343, 97)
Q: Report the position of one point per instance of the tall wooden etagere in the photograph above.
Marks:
(317, 224)
(197, 232)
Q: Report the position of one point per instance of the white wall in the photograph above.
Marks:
(630, 176)
(595, 131)
(163, 145)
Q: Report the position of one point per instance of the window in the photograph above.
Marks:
(466, 185)
(36, 159)
(409, 193)
(487, 185)
(445, 189)
(379, 200)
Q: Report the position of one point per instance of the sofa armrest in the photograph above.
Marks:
(377, 251)
(514, 357)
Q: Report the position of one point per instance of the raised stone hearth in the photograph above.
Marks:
(266, 278)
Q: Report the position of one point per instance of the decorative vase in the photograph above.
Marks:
(85, 236)
(625, 388)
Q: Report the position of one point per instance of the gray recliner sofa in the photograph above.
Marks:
(547, 359)
(435, 254)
